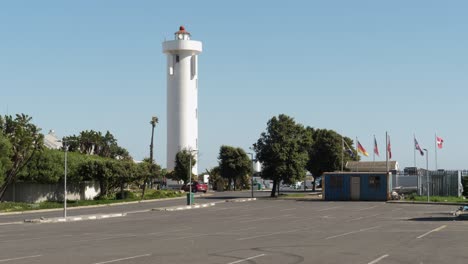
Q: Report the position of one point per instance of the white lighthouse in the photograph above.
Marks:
(182, 95)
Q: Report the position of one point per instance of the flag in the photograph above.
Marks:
(417, 147)
(362, 150)
(348, 149)
(439, 141)
(389, 148)
(376, 149)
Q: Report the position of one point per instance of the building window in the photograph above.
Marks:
(196, 113)
(374, 182)
(177, 58)
(336, 182)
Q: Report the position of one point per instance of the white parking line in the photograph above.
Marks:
(378, 259)
(353, 232)
(367, 208)
(242, 260)
(434, 230)
(270, 234)
(12, 223)
(329, 208)
(116, 260)
(5, 260)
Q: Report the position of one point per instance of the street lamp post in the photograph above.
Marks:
(190, 175)
(252, 179)
(427, 173)
(65, 183)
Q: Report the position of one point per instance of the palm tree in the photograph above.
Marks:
(153, 122)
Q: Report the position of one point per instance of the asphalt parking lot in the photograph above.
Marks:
(262, 231)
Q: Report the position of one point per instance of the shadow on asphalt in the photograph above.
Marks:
(436, 219)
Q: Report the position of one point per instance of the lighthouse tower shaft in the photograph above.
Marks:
(182, 95)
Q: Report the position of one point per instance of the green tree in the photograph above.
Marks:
(282, 150)
(5, 155)
(93, 142)
(182, 163)
(25, 139)
(234, 165)
(215, 178)
(326, 154)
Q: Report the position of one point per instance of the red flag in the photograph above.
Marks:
(439, 141)
(389, 148)
(376, 149)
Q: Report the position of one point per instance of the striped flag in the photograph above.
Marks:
(417, 147)
(376, 149)
(362, 150)
(389, 148)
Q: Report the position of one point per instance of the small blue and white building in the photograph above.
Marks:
(356, 186)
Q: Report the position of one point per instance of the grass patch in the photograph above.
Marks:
(446, 199)
(135, 196)
(294, 195)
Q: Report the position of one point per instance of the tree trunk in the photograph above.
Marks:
(273, 190)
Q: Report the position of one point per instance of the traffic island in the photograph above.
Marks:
(72, 218)
(180, 208)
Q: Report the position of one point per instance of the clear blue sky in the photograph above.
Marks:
(358, 67)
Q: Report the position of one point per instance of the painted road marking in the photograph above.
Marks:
(264, 218)
(5, 260)
(270, 234)
(367, 208)
(362, 217)
(12, 223)
(116, 260)
(434, 230)
(353, 232)
(378, 259)
(242, 260)
(330, 208)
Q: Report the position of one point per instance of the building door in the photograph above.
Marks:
(355, 188)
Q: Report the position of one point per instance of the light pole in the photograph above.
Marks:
(427, 173)
(190, 175)
(252, 180)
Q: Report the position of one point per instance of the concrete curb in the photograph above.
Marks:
(98, 205)
(240, 200)
(180, 208)
(73, 218)
(426, 203)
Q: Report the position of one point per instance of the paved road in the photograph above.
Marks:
(125, 208)
(262, 231)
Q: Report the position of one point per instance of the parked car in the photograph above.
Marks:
(196, 187)
(318, 182)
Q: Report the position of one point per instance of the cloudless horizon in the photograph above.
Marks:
(360, 68)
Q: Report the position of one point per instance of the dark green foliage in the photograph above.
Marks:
(92, 142)
(25, 140)
(5, 154)
(325, 154)
(465, 186)
(182, 163)
(282, 150)
(234, 165)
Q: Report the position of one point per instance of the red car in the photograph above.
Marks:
(196, 187)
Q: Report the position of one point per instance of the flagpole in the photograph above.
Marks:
(357, 155)
(414, 149)
(435, 147)
(373, 156)
(342, 152)
(386, 151)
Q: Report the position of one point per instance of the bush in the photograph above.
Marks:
(126, 195)
(465, 185)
